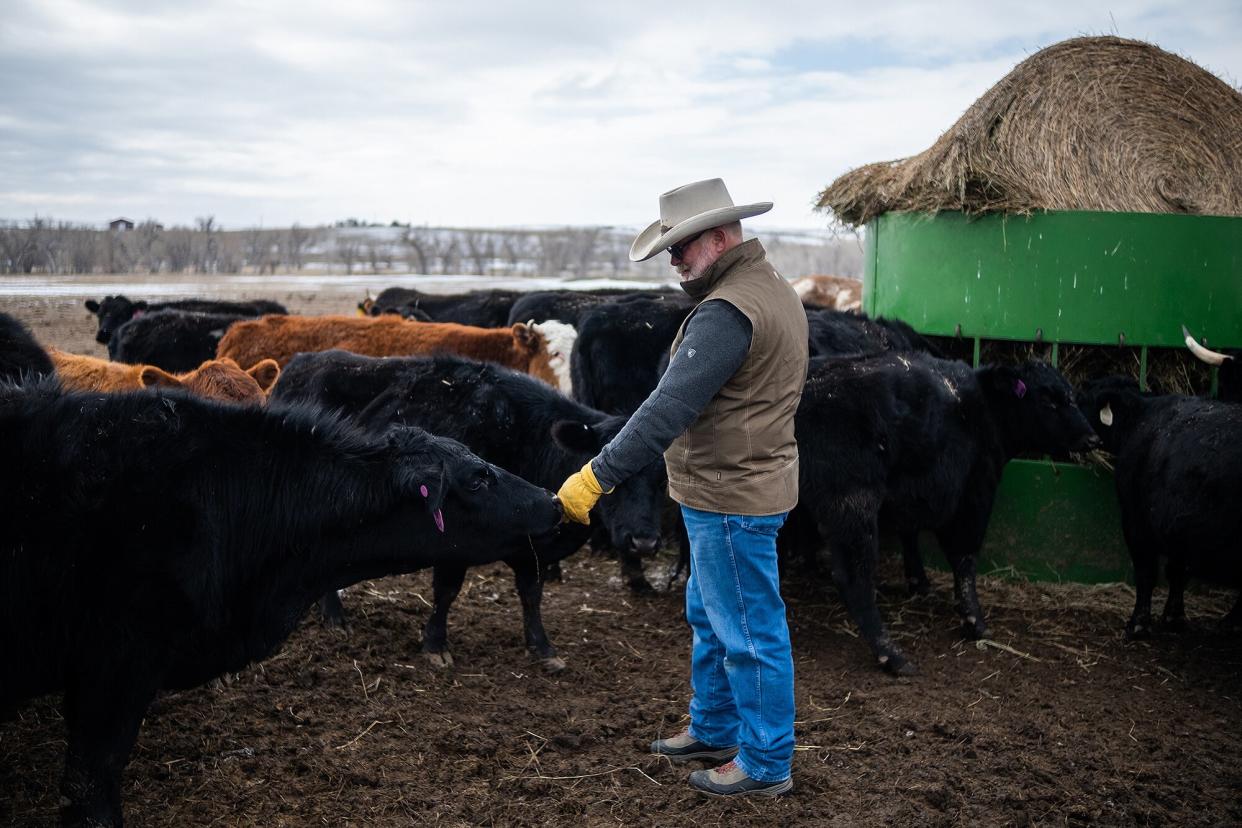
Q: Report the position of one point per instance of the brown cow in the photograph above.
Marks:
(216, 379)
(519, 347)
(837, 292)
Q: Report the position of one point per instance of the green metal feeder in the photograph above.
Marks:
(1115, 280)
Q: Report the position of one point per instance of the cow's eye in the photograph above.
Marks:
(478, 480)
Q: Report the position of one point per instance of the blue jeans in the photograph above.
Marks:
(741, 668)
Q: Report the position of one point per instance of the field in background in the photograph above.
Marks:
(44, 246)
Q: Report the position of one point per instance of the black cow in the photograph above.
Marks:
(115, 311)
(21, 357)
(176, 341)
(836, 333)
(621, 346)
(621, 351)
(1178, 473)
(154, 541)
(919, 442)
(569, 306)
(508, 418)
(480, 308)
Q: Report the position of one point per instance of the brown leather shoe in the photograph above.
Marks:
(683, 747)
(730, 780)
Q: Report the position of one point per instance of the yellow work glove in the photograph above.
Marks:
(579, 493)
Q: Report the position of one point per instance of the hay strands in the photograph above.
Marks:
(984, 643)
(639, 771)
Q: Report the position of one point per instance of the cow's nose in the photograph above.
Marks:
(644, 546)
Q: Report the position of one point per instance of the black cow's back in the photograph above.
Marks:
(21, 356)
(833, 332)
(504, 416)
(174, 340)
(569, 306)
(115, 311)
(479, 308)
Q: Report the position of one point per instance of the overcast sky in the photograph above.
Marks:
(503, 113)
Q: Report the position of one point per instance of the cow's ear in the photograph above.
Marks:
(141, 304)
(433, 491)
(265, 373)
(433, 486)
(525, 336)
(575, 437)
(420, 468)
(1004, 380)
(92, 306)
(153, 377)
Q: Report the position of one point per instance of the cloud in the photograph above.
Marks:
(500, 113)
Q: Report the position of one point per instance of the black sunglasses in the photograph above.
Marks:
(676, 250)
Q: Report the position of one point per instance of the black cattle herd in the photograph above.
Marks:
(153, 540)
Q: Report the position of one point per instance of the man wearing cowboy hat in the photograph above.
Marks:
(723, 416)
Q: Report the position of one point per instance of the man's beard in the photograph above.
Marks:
(695, 271)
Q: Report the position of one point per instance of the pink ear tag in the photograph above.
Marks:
(1019, 389)
(437, 515)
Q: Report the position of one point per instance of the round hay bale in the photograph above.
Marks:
(1092, 123)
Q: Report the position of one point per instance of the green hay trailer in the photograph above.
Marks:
(1113, 286)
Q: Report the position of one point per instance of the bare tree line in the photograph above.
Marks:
(44, 246)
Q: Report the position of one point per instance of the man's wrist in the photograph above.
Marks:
(588, 473)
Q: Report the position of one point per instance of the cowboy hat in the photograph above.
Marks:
(688, 210)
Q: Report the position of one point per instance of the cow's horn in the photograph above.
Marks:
(1208, 356)
(1106, 414)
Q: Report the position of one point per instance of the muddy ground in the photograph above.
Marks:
(1059, 721)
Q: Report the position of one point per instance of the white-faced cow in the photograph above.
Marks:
(841, 293)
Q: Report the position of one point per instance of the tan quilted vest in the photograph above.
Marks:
(740, 456)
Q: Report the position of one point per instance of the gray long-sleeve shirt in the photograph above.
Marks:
(716, 342)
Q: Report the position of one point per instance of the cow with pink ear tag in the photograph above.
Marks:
(191, 537)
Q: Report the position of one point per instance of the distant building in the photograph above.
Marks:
(120, 224)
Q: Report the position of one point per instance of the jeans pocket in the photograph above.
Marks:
(766, 525)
